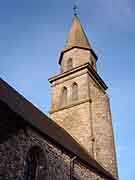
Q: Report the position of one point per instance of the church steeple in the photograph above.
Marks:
(77, 36)
(79, 101)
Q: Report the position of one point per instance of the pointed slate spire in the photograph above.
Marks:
(77, 36)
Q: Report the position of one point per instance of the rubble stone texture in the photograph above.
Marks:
(54, 163)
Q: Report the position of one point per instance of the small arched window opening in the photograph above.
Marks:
(35, 164)
(69, 64)
(74, 92)
(92, 63)
(64, 96)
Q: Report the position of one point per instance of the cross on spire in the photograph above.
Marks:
(75, 8)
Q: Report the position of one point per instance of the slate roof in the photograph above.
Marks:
(46, 126)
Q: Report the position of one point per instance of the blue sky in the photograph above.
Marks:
(32, 34)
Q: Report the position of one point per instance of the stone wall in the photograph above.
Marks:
(74, 116)
(17, 138)
(79, 57)
(82, 173)
(78, 77)
(88, 120)
(74, 121)
(104, 147)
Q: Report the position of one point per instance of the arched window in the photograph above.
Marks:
(92, 63)
(35, 164)
(31, 167)
(69, 64)
(64, 96)
(74, 92)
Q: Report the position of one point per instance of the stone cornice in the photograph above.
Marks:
(70, 77)
(70, 105)
(90, 71)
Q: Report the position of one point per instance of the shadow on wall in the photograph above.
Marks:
(9, 124)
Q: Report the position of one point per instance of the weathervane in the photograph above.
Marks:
(75, 8)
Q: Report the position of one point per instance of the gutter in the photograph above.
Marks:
(72, 167)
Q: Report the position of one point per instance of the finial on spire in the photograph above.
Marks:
(75, 8)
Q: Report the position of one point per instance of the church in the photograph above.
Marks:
(76, 142)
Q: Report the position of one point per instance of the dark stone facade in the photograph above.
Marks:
(17, 138)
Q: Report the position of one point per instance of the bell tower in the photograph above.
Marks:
(79, 101)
